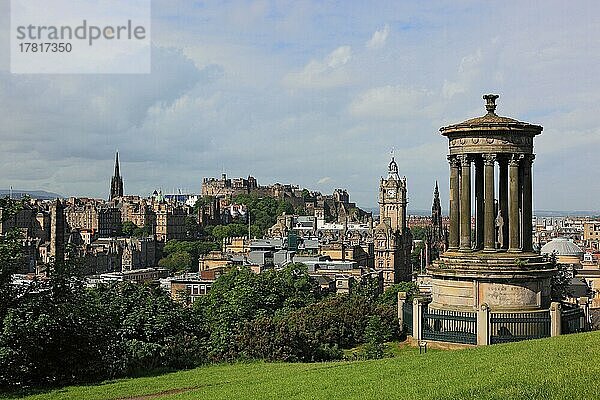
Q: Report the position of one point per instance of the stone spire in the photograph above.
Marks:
(436, 215)
(116, 183)
(117, 165)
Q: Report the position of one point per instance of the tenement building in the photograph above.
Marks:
(495, 265)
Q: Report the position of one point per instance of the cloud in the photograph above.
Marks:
(325, 73)
(324, 180)
(379, 37)
(214, 99)
(469, 70)
(389, 102)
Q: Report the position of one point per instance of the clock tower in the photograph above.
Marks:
(392, 198)
(392, 239)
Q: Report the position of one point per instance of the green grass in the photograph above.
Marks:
(565, 367)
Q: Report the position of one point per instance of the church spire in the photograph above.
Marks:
(116, 183)
(117, 165)
(436, 214)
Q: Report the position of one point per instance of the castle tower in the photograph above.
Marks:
(496, 267)
(116, 183)
(392, 198)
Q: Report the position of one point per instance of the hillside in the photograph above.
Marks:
(565, 367)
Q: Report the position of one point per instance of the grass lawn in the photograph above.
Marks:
(565, 367)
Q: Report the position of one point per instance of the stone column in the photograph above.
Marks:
(479, 205)
(555, 316)
(465, 202)
(401, 301)
(527, 203)
(454, 233)
(514, 226)
(503, 199)
(490, 218)
(483, 325)
(417, 333)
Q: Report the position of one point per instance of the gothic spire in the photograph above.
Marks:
(117, 165)
(116, 183)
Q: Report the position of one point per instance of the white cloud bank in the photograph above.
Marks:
(379, 38)
(326, 73)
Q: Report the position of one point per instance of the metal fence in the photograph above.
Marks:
(407, 317)
(513, 327)
(572, 320)
(450, 326)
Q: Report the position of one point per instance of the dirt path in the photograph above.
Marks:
(159, 394)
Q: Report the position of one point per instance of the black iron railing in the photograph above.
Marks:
(407, 317)
(572, 320)
(514, 327)
(449, 326)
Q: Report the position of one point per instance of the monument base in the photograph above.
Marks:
(503, 280)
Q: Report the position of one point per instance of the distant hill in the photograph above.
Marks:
(550, 213)
(36, 194)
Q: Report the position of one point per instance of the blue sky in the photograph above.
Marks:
(315, 94)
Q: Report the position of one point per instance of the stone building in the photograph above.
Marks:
(170, 220)
(392, 239)
(497, 268)
(103, 219)
(591, 235)
(227, 186)
(138, 211)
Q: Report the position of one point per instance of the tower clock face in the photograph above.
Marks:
(391, 193)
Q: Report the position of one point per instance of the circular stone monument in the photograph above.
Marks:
(490, 258)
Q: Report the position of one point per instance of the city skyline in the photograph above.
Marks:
(314, 95)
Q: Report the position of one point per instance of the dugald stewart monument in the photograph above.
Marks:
(492, 265)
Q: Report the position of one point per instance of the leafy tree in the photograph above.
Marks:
(180, 261)
(419, 232)
(191, 227)
(416, 256)
(193, 248)
(264, 210)
(241, 296)
(11, 255)
(153, 331)
(390, 295)
(56, 334)
(561, 280)
(128, 228)
(142, 231)
(375, 337)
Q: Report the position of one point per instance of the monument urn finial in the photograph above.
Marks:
(490, 102)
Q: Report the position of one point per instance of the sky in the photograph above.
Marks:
(316, 94)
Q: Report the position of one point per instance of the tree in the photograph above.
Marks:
(191, 227)
(180, 261)
(128, 228)
(142, 231)
(241, 296)
(561, 280)
(419, 232)
(390, 295)
(11, 256)
(375, 336)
